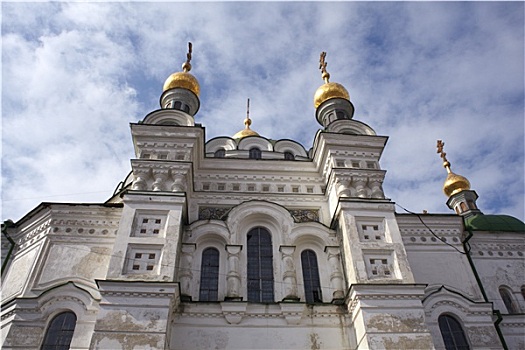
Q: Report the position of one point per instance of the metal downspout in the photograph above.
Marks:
(496, 312)
(5, 225)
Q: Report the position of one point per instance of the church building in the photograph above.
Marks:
(247, 242)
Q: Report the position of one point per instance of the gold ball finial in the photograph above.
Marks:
(247, 122)
(328, 90)
(454, 183)
(183, 79)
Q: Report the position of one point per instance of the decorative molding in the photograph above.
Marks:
(304, 215)
(213, 213)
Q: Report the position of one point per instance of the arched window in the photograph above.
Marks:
(312, 286)
(452, 333)
(289, 156)
(523, 292)
(260, 265)
(60, 332)
(209, 275)
(220, 153)
(255, 153)
(506, 296)
(340, 114)
(177, 105)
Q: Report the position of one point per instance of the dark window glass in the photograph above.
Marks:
(452, 333)
(209, 275)
(186, 109)
(60, 332)
(340, 115)
(289, 156)
(507, 300)
(220, 153)
(177, 105)
(312, 286)
(260, 266)
(255, 153)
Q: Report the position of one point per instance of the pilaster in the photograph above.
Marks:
(389, 316)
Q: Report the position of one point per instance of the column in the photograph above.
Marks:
(233, 277)
(289, 277)
(336, 276)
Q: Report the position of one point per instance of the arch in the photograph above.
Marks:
(312, 283)
(260, 265)
(255, 141)
(220, 142)
(290, 146)
(249, 214)
(350, 126)
(209, 281)
(169, 117)
(453, 335)
(508, 300)
(289, 155)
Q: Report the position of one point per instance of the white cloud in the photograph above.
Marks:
(75, 75)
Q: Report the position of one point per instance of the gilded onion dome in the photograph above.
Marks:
(247, 122)
(328, 90)
(183, 79)
(454, 183)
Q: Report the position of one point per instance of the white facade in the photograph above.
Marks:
(130, 269)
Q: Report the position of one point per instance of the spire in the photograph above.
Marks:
(247, 122)
(457, 188)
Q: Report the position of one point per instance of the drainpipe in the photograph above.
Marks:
(466, 249)
(7, 224)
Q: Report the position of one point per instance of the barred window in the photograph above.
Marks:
(255, 153)
(260, 265)
(209, 275)
(452, 333)
(60, 332)
(312, 286)
(220, 153)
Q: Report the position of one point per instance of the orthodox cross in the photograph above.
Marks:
(186, 67)
(322, 66)
(443, 155)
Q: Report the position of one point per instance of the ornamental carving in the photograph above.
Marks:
(213, 213)
(304, 215)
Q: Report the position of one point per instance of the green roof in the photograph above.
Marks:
(501, 223)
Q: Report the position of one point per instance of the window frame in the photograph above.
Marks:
(208, 272)
(255, 153)
(259, 266)
(56, 328)
(455, 335)
(312, 284)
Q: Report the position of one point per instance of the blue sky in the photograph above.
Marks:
(74, 75)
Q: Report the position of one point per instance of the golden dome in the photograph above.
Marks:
(246, 131)
(182, 80)
(455, 183)
(328, 91)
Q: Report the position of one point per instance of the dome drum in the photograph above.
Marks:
(180, 99)
(334, 109)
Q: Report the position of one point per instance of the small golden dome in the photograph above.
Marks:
(182, 80)
(455, 183)
(246, 131)
(328, 91)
